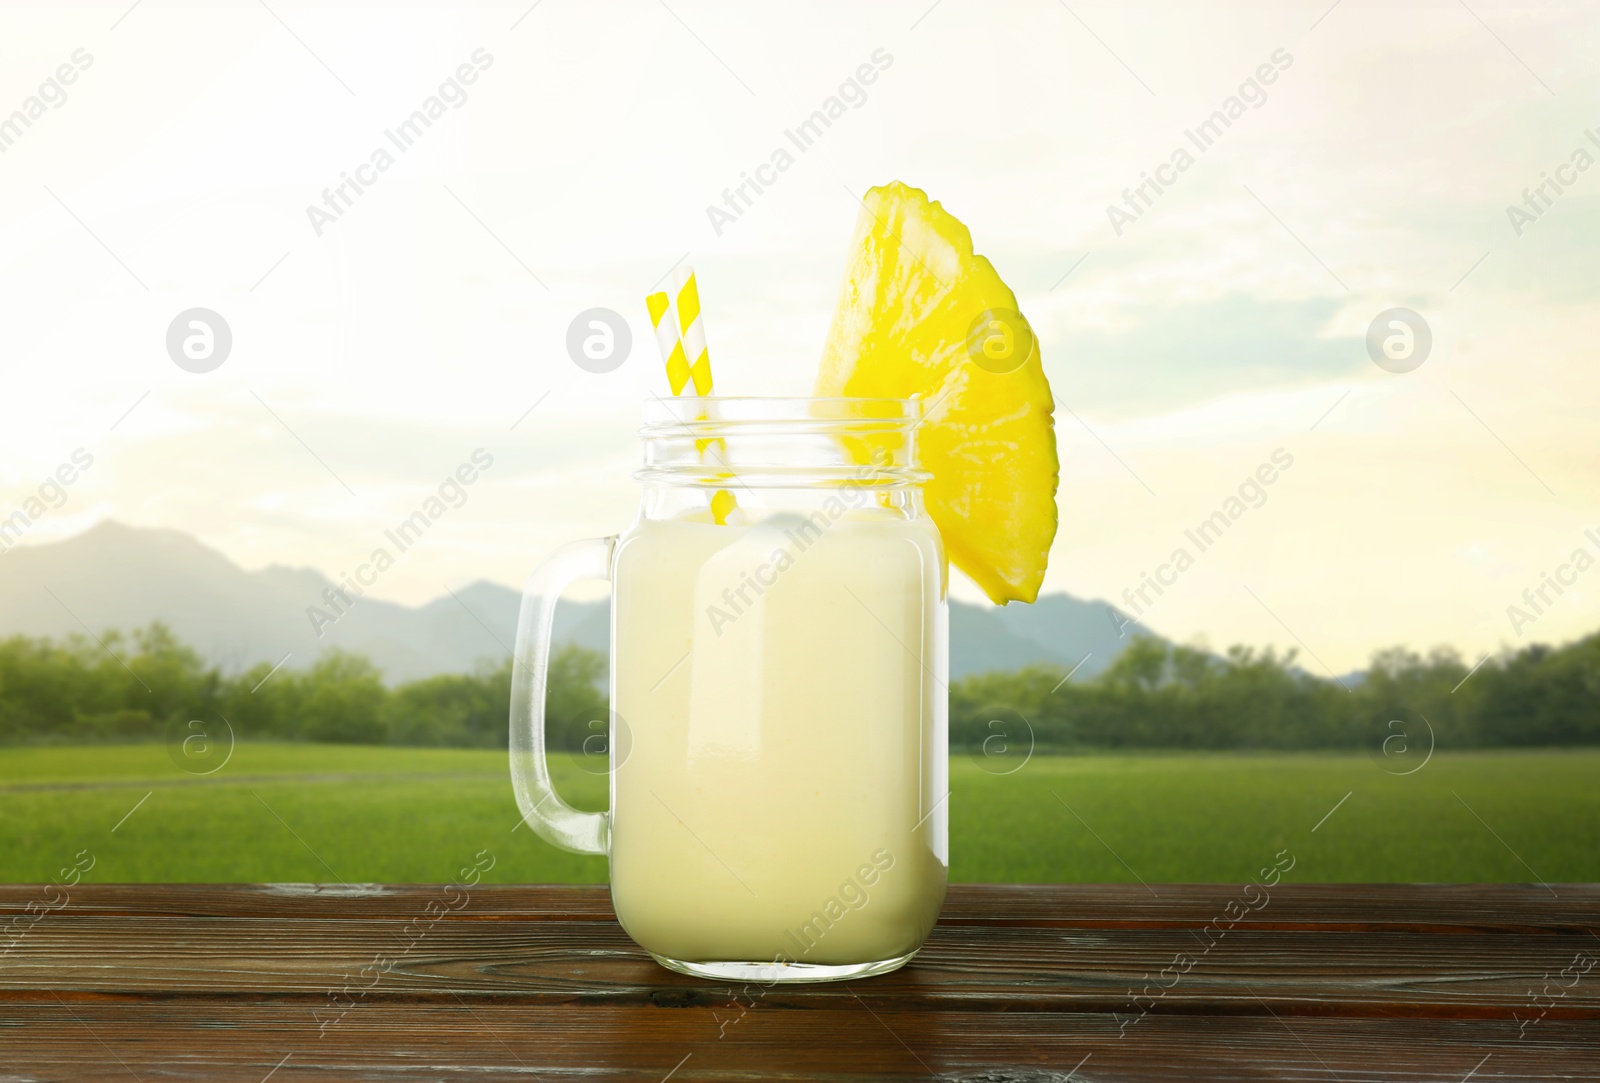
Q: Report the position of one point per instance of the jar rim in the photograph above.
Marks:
(777, 441)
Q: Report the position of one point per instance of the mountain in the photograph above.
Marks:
(119, 577)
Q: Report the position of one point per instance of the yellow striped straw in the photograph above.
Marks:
(694, 332)
(667, 339)
(683, 348)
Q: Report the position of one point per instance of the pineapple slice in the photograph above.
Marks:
(921, 316)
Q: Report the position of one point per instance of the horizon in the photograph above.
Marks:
(1304, 660)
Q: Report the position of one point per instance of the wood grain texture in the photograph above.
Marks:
(1017, 984)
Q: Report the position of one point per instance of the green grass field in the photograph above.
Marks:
(363, 813)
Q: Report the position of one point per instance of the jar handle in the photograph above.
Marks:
(542, 808)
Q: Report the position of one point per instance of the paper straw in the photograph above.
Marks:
(667, 340)
(679, 339)
(694, 332)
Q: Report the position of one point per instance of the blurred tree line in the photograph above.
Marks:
(73, 691)
(1155, 695)
(1159, 695)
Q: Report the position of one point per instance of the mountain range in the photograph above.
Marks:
(115, 576)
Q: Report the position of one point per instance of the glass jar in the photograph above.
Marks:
(778, 734)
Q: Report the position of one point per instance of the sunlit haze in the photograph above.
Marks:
(1193, 330)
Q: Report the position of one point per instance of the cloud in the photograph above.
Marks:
(1168, 356)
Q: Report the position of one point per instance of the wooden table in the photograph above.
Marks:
(1019, 984)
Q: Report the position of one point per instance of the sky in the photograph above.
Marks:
(1222, 328)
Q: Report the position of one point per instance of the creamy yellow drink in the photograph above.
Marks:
(782, 794)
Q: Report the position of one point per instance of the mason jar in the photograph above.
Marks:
(778, 730)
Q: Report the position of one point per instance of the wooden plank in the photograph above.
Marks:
(1421, 908)
(221, 1039)
(191, 1039)
(594, 963)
